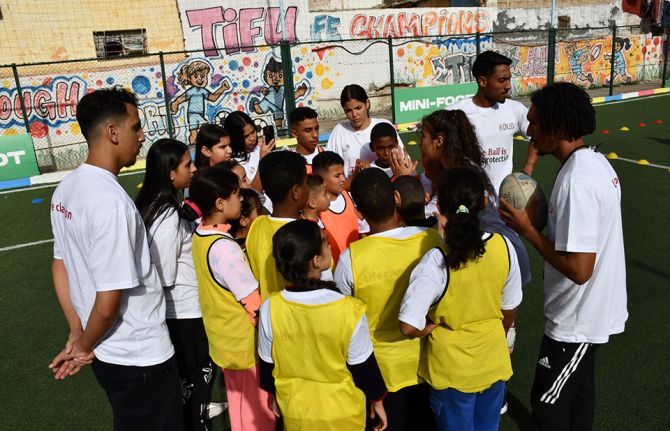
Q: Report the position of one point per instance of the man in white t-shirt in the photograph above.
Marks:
(585, 267)
(104, 279)
(495, 117)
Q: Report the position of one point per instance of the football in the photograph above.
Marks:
(521, 191)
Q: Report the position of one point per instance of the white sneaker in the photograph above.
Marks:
(215, 409)
(503, 409)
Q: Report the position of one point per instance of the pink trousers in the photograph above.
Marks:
(247, 402)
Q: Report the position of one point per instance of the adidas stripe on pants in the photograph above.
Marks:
(563, 394)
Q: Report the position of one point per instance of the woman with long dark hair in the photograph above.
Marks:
(245, 145)
(351, 139)
(170, 226)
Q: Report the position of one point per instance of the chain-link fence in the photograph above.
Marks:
(178, 91)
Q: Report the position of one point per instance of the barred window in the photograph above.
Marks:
(123, 43)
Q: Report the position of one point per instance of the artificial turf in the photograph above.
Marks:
(631, 373)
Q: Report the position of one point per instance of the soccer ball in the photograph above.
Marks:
(524, 193)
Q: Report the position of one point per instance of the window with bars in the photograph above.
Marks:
(123, 43)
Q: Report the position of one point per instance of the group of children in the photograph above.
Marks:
(317, 279)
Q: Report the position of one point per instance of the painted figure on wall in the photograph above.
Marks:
(194, 77)
(620, 44)
(273, 93)
(577, 57)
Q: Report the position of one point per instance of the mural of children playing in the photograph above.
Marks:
(193, 77)
(619, 60)
(273, 93)
(577, 57)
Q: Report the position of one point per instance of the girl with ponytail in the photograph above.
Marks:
(313, 343)
(229, 297)
(448, 140)
(466, 300)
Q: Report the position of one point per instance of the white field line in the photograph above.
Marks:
(28, 244)
(46, 186)
(650, 165)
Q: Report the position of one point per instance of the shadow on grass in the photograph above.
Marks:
(659, 140)
(519, 414)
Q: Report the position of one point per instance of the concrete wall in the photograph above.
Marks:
(51, 30)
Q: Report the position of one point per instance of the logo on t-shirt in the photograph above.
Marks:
(506, 126)
(59, 208)
(495, 155)
(615, 181)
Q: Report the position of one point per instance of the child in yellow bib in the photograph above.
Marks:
(284, 180)
(376, 270)
(229, 298)
(314, 345)
(463, 302)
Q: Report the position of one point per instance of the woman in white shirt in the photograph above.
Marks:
(351, 139)
(168, 172)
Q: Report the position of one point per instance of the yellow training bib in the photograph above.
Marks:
(315, 390)
(259, 250)
(381, 268)
(231, 336)
(468, 350)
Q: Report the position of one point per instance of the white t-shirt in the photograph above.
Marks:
(344, 274)
(310, 157)
(388, 171)
(429, 279)
(360, 345)
(170, 245)
(495, 128)
(353, 144)
(100, 236)
(585, 216)
(251, 165)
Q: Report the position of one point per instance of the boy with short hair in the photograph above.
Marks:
(340, 219)
(383, 139)
(317, 200)
(304, 126)
(376, 270)
(411, 202)
(284, 180)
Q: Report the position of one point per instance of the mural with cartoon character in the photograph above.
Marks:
(194, 77)
(273, 94)
(577, 57)
(619, 60)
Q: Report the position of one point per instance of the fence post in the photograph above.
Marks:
(613, 53)
(665, 56)
(287, 65)
(551, 56)
(166, 96)
(478, 42)
(21, 101)
(391, 77)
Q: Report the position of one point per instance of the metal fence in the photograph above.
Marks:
(268, 81)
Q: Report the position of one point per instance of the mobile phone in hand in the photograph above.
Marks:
(268, 133)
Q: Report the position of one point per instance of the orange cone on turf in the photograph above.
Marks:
(642, 125)
(605, 132)
(658, 122)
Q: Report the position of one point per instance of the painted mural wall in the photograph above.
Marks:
(235, 64)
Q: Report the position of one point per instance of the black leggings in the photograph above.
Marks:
(196, 370)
